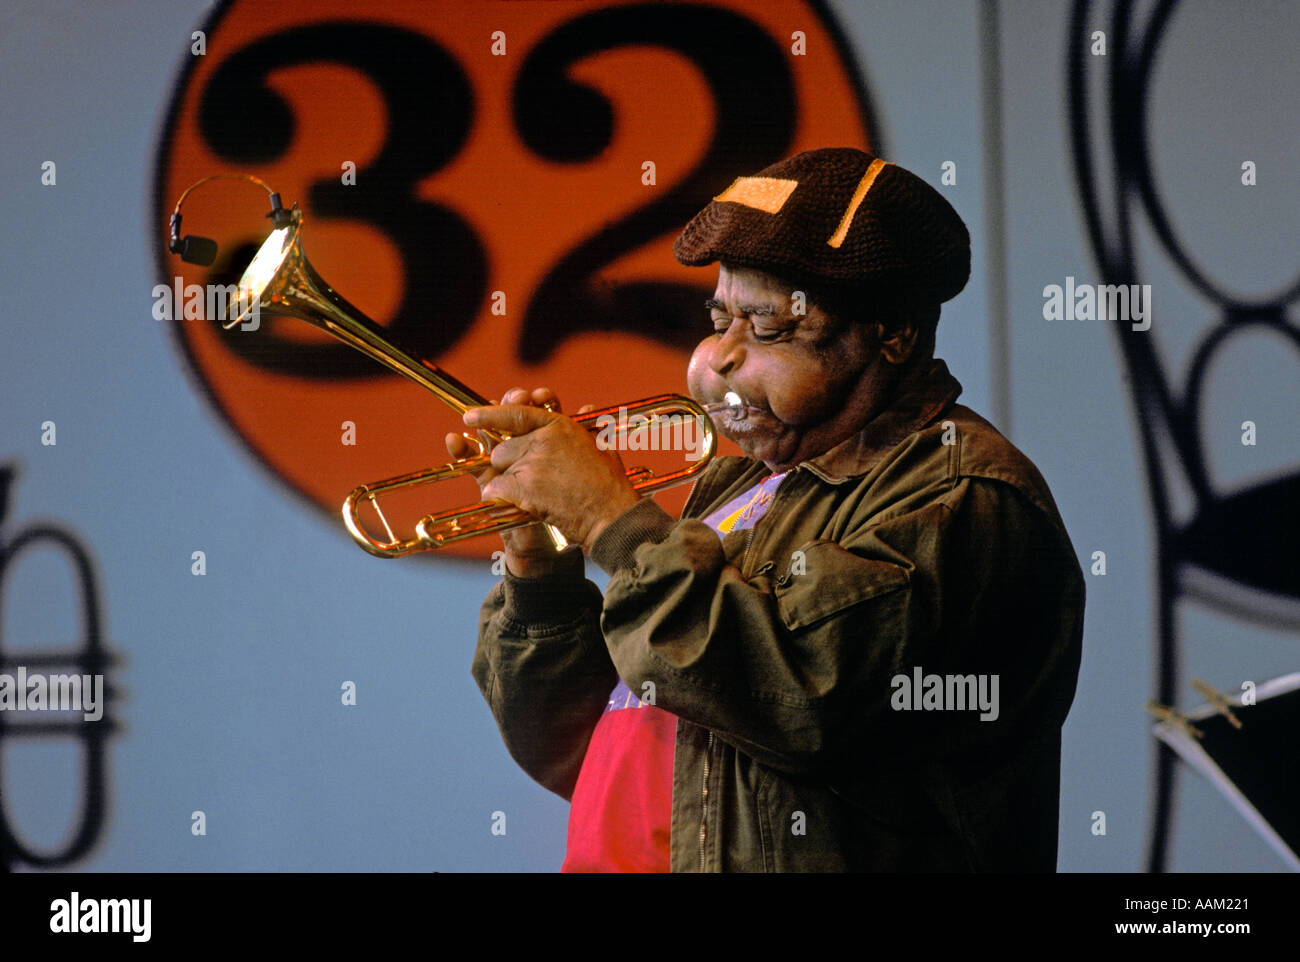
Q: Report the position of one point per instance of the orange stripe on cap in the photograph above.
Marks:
(762, 193)
(864, 185)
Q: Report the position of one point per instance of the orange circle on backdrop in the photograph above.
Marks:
(498, 183)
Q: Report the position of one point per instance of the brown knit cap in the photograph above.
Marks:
(798, 220)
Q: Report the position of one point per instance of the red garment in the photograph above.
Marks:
(622, 803)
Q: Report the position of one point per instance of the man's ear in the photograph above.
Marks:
(898, 343)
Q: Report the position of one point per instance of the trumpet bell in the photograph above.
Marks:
(280, 280)
(262, 280)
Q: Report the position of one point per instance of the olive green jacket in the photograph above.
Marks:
(926, 545)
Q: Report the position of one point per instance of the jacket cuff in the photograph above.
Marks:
(556, 598)
(644, 523)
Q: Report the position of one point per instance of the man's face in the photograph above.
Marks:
(809, 380)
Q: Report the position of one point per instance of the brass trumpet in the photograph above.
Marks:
(485, 517)
(281, 281)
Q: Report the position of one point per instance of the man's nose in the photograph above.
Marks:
(729, 350)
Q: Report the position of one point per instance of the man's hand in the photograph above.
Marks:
(529, 550)
(551, 468)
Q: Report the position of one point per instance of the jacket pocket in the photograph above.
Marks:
(823, 579)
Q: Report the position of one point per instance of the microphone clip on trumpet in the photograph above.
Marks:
(281, 281)
(203, 250)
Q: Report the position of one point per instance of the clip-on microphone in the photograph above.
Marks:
(203, 250)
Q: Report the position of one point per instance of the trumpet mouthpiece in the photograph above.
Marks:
(732, 403)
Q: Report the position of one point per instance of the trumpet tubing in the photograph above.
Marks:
(487, 517)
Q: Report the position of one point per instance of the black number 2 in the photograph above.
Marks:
(568, 122)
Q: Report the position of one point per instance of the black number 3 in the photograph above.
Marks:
(430, 108)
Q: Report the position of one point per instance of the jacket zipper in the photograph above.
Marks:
(708, 753)
(704, 816)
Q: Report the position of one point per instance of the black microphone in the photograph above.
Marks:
(193, 249)
(198, 250)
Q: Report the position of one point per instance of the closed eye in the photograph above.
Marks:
(723, 324)
(752, 314)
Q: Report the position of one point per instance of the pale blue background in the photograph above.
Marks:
(233, 679)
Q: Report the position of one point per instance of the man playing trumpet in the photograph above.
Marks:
(857, 647)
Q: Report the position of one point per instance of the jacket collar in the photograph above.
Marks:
(928, 397)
